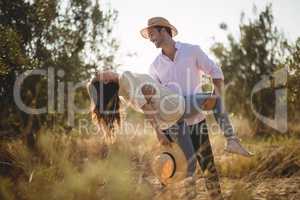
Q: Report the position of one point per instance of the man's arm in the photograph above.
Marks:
(149, 91)
(205, 64)
(219, 87)
(149, 113)
(219, 91)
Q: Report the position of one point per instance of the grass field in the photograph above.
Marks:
(77, 166)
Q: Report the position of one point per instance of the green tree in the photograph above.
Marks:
(259, 51)
(70, 35)
(293, 62)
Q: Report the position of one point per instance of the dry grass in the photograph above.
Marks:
(69, 167)
(240, 191)
(275, 154)
(77, 166)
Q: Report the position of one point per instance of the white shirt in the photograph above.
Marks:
(183, 74)
(169, 105)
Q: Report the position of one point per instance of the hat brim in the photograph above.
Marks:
(181, 162)
(144, 31)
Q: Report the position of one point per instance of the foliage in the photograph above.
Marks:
(71, 37)
(293, 82)
(257, 54)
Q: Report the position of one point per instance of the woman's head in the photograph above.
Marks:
(106, 103)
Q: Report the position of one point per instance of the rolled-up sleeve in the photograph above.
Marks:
(205, 64)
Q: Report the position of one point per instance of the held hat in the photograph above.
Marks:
(169, 163)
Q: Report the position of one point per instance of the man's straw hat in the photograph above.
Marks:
(158, 21)
(169, 163)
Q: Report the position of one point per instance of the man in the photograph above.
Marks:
(178, 67)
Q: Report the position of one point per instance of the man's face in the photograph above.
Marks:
(155, 36)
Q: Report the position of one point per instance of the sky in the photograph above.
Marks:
(197, 22)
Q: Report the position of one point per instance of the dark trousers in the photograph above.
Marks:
(204, 155)
(194, 142)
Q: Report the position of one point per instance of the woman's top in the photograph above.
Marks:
(169, 107)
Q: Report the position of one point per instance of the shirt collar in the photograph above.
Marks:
(177, 46)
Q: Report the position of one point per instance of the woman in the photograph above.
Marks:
(164, 107)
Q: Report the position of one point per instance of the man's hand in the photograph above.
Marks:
(163, 140)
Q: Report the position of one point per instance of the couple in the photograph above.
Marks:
(170, 96)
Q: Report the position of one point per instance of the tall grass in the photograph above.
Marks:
(72, 167)
(274, 157)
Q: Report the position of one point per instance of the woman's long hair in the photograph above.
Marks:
(106, 105)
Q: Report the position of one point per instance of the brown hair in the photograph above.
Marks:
(106, 105)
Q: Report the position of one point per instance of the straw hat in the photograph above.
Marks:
(169, 163)
(158, 21)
